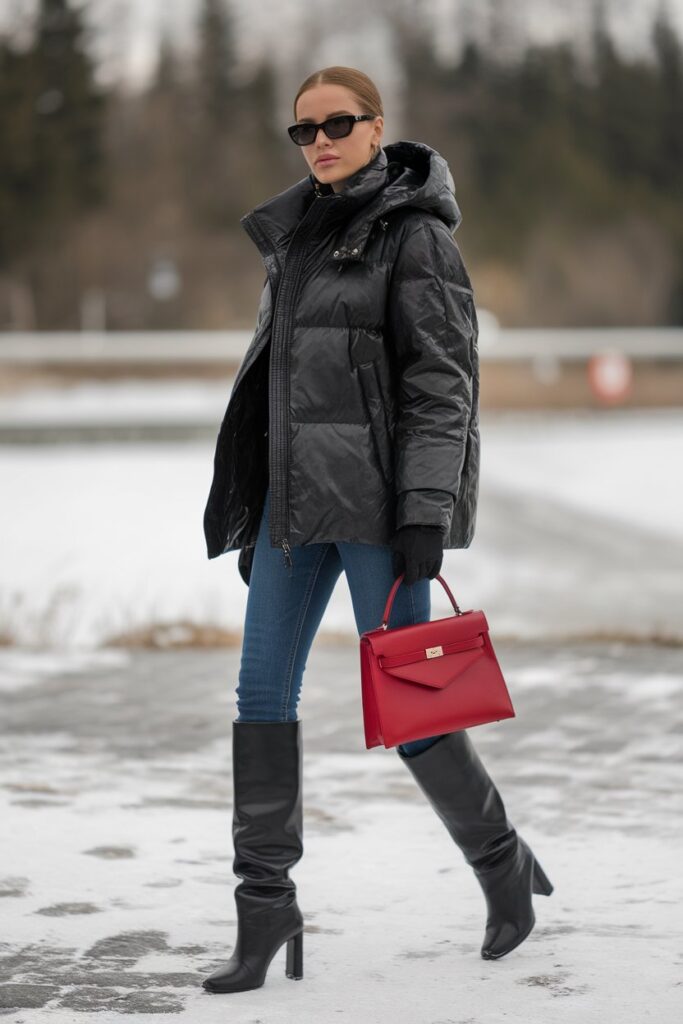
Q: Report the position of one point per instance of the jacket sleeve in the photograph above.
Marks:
(432, 328)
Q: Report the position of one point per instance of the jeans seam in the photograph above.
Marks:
(299, 628)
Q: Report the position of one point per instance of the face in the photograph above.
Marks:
(346, 155)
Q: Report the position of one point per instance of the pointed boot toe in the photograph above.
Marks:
(502, 938)
(234, 976)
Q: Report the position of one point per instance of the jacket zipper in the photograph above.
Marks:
(279, 386)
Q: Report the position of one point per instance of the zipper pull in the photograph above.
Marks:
(288, 553)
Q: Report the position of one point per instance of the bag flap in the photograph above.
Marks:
(433, 666)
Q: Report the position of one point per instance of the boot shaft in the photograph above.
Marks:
(267, 823)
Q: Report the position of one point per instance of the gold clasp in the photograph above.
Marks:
(433, 652)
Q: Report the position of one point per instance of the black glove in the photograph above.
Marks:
(417, 551)
(244, 561)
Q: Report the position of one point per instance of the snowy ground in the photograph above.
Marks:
(115, 787)
(579, 531)
(117, 880)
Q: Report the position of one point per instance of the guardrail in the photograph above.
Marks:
(521, 368)
(55, 348)
(59, 348)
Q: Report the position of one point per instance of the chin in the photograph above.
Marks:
(328, 174)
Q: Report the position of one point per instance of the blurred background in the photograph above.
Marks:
(133, 136)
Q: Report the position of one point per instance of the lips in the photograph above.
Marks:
(326, 159)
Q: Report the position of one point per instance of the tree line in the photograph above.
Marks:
(121, 208)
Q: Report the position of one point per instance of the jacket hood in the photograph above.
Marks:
(400, 174)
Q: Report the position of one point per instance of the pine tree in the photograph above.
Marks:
(215, 66)
(216, 138)
(669, 59)
(69, 114)
(51, 126)
(16, 153)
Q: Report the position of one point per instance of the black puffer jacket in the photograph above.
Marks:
(357, 400)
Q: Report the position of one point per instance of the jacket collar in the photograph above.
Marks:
(400, 174)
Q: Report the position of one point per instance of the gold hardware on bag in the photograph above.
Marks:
(433, 652)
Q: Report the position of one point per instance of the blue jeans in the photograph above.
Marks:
(285, 607)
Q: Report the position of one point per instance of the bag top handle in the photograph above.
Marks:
(392, 593)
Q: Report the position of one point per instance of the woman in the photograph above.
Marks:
(350, 442)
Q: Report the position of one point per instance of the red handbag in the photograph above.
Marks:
(429, 678)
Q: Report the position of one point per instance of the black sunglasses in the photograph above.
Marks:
(335, 128)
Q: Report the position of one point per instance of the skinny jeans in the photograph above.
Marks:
(286, 604)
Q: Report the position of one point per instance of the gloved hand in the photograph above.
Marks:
(246, 557)
(417, 551)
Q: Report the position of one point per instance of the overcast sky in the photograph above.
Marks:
(128, 30)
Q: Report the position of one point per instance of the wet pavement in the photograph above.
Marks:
(116, 853)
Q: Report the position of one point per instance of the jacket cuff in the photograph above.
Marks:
(422, 507)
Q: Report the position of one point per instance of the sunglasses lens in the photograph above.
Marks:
(338, 127)
(302, 134)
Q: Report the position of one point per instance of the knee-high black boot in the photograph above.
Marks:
(267, 829)
(456, 783)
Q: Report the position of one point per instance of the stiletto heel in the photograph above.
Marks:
(295, 956)
(541, 883)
